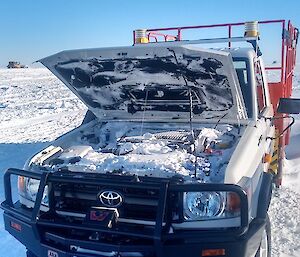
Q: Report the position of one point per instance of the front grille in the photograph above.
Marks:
(138, 203)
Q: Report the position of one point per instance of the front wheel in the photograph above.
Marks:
(264, 249)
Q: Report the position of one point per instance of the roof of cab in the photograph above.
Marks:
(242, 52)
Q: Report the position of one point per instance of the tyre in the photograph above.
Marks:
(30, 254)
(264, 249)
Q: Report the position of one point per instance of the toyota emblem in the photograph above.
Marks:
(110, 198)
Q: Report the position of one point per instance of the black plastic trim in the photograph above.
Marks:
(265, 195)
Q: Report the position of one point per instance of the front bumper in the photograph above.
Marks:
(44, 235)
(54, 245)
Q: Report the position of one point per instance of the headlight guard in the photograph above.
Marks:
(28, 189)
(227, 202)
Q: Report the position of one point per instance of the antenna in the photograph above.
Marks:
(190, 110)
(143, 118)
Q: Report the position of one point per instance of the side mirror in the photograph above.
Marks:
(289, 105)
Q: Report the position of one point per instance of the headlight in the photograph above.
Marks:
(210, 205)
(28, 188)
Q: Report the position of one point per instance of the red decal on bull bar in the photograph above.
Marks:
(98, 215)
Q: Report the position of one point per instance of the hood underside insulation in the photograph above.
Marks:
(151, 82)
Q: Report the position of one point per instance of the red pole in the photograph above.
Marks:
(179, 35)
(229, 25)
(134, 37)
(213, 25)
(229, 35)
(282, 52)
(287, 53)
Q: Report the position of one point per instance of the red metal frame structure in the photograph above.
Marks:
(283, 88)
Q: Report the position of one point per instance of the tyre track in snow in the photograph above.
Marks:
(285, 223)
(40, 129)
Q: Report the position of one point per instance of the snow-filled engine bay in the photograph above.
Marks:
(146, 149)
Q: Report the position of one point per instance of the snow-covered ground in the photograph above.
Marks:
(35, 108)
(285, 208)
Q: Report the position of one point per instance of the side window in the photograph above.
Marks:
(242, 74)
(260, 88)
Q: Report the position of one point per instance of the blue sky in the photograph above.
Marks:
(32, 29)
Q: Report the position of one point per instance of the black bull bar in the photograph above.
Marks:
(159, 234)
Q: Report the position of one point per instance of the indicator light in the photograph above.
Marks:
(213, 252)
(16, 226)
